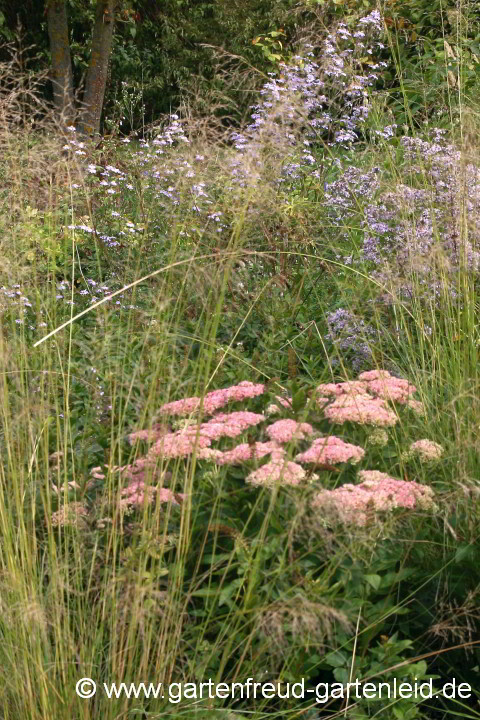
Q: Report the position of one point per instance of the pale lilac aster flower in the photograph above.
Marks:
(284, 431)
(331, 450)
(363, 409)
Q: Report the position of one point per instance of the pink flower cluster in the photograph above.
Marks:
(381, 383)
(363, 409)
(138, 493)
(214, 399)
(284, 402)
(350, 387)
(283, 431)
(356, 504)
(151, 435)
(242, 453)
(278, 469)
(364, 400)
(331, 450)
(184, 442)
(426, 450)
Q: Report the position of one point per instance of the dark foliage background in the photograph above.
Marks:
(160, 59)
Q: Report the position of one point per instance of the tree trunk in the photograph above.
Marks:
(97, 70)
(62, 79)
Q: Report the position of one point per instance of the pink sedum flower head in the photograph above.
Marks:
(374, 375)
(137, 493)
(378, 437)
(394, 389)
(242, 453)
(415, 405)
(233, 424)
(284, 402)
(72, 513)
(426, 450)
(181, 407)
(354, 504)
(236, 393)
(284, 431)
(209, 454)
(272, 409)
(214, 399)
(350, 387)
(97, 473)
(390, 492)
(157, 431)
(178, 444)
(363, 409)
(277, 471)
(197, 437)
(331, 450)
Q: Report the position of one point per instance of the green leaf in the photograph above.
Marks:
(341, 675)
(205, 592)
(227, 592)
(464, 552)
(336, 659)
(298, 400)
(374, 581)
